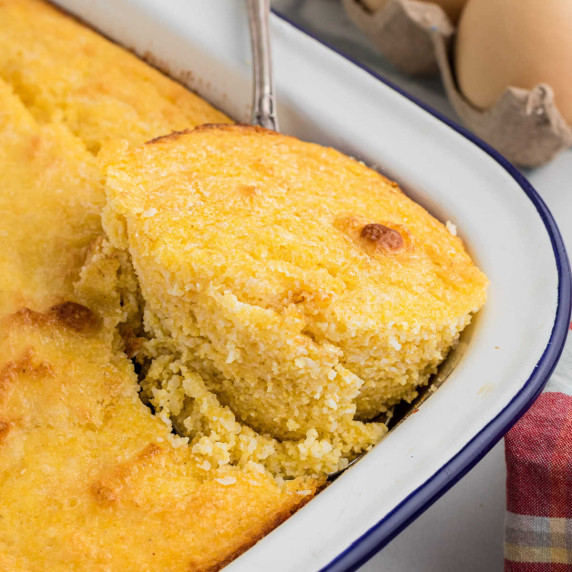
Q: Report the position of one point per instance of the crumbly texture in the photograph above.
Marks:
(91, 480)
(299, 287)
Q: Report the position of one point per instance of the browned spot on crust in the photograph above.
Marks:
(4, 430)
(375, 238)
(69, 314)
(382, 236)
(150, 451)
(24, 366)
(113, 485)
(29, 317)
(248, 191)
(76, 317)
(103, 495)
(34, 147)
(169, 137)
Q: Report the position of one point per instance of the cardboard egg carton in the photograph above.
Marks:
(417, 38)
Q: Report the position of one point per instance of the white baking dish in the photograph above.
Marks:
(517, 337)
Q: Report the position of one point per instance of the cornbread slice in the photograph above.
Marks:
(301, 286)
(67, 73)
(91, 480)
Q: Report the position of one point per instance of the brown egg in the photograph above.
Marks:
(520, 43)
(452, 7)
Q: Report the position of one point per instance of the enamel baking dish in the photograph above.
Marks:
(516, 339)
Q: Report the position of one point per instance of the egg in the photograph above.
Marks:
(519, 43)
(452, 7)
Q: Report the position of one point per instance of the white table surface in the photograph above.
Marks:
(464, 529)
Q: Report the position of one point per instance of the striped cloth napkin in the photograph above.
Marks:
(538, 528)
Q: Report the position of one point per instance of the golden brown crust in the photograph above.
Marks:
(108, 487)
(213, 128)
(69, 314)
(268, 526)
(76, 317)
(4, 430)
(234, 128)
(382, 236)
(25, 365)
(169, 137)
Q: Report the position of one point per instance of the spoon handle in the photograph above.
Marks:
(263, 104)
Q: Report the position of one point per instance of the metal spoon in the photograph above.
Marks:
(263, 104)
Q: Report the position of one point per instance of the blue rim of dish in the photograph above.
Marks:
(438, 484)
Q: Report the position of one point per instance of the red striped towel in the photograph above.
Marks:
(538, 528)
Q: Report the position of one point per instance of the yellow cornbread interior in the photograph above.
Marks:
(260, 283)
(90, 478)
